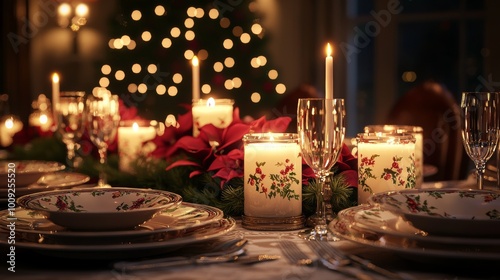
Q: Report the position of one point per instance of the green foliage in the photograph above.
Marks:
(42, 148)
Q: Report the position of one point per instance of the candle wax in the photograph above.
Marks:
(267, 164)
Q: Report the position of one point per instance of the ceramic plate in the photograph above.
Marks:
(451, 212)
(100, 209)
(25, 172)
(184, 217)
(401, 246)
(126, 249)
(372, 219)
(51, 181)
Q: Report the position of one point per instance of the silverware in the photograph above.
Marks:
(294, 254)
(177, 261)
(335, 261)
(227, 251)
(340, 256)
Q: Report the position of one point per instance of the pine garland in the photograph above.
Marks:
(202, 189)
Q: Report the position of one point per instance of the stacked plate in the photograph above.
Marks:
(29, 176)
(435, 223)
(109, 223)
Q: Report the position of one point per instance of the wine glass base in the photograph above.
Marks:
(311, 234)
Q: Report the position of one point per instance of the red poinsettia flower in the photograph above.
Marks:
(227, 167)
(210, 142)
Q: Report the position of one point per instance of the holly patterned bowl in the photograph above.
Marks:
(101, 209)
(452, 212)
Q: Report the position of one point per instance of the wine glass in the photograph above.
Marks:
(69, 113)
(321, 129)
(103, 119)
(480, 128)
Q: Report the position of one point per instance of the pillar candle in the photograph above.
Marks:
(418, 133)
(385, 162)
(130, 142)
(218, 112)
(272, 175)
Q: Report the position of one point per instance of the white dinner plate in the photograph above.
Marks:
(50, 181)
(401, 246)
(185, 217)
(370, 218)
(126, 249)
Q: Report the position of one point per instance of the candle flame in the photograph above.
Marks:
(43, 119)
(195, 61)
(329, 50)
(9, 123)
(135, 127)
(55, 78)
(211, 102)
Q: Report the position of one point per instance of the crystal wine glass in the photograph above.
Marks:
(321, 129)
(103, 119)
(480, 128)
(69, 113)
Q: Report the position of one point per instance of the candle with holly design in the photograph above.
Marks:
(218, 112)
(386, 162)
(273, 175)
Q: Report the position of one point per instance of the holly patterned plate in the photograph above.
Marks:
(450, 212)
(21, 173)
(100, 209)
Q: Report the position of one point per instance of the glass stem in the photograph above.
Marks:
(320, 226)
(480, 167)
(102, 160)
(70, 146)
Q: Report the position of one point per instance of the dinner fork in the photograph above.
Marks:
(297, 257)
(333, 255)
(294, 254)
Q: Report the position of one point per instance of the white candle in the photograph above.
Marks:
(385, 163)
(196, 79)
(9, 126)
(55, 92)
(418, 133)
(218, 112)
(272, 175)
(329, 73)
(130, 143)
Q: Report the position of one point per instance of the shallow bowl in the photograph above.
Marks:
(25, 172)
(452, 212)
(100, 209)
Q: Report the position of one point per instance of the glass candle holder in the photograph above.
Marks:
(131, 138)
(386, 161)
(272, 182)
(218, 112)
(418, 133)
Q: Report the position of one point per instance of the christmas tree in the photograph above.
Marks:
(153, 42)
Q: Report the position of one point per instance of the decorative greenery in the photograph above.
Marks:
(151, 172)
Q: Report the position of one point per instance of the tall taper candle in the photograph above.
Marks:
(196, 79)
(329, 72)
(55, 91)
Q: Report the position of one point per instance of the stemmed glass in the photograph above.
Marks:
(69, 112)
(480, 128)
(321, 129)
(103, 119)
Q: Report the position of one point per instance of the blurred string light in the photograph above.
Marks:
(71, 16)
(187, 33)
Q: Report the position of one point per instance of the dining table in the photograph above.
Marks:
(38, 265)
